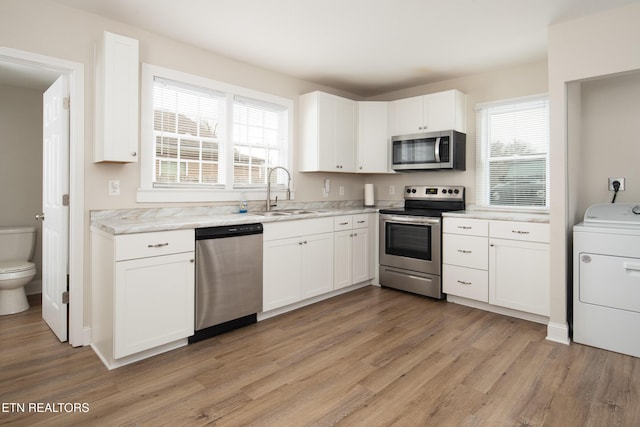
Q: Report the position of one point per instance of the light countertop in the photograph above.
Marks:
(129, 223)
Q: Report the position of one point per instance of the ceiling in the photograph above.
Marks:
(365, 47)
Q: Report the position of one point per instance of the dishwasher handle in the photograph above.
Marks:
(222, 232)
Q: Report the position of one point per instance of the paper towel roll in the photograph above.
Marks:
(368, 195)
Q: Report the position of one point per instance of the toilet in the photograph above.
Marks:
(17, 245)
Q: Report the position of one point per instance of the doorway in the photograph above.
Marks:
(43, 67)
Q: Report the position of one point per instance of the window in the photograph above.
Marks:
(204, 140)
(512, 153)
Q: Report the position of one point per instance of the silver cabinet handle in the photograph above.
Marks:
(464, 251)
(361, 222)
(344, 223)
(40, 217)
(464, 283)
(133, 153)
(192, 260)
(465, 227)
(519, 232)
(158, 245)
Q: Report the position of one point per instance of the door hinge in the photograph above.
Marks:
(65, 297)
(66, 103)
(65, 200)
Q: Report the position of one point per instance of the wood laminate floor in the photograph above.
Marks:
(372, 357)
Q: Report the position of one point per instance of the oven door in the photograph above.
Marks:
(410, 243)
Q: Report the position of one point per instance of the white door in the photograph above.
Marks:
(55, 226)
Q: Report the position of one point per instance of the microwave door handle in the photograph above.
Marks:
(437, 150)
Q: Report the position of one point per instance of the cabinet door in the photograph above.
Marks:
(440, 111)
(317, 264)
(373, 140)
(519, 275)
(408, 115)
(344, 144)
(342, 259)
(361, 255)
(282, 272)
(116, 130)
(154, 302)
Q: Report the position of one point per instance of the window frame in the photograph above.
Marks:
(150, 193)
(482, 157)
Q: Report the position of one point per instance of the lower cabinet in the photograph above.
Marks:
(351, 250)
(519, 275)
(143, 293)
(502, 263)
(154, 302)
(298, 261)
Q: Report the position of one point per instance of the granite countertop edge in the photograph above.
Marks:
(542, 218)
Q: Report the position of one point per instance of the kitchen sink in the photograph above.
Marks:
(286, 212)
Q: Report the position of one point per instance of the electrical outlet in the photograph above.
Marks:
(114, 187)
(620, 180)
(392, 189)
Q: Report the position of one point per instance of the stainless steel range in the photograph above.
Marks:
(410, 239)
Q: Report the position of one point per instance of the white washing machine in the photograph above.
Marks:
(606, 278)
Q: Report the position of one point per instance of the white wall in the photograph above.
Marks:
(595, 46)
(21, 161)
(610, 142)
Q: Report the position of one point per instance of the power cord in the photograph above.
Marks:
(616, 188)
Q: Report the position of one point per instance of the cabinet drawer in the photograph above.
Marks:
(341, 223)
(143, 245)
(361, 220)
(466, 226)
(526, 231)
(465, 251)
(465, 282)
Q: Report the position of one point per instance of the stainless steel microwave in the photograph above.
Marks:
(426, 151)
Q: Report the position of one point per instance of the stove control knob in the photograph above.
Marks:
(456, 191)
(413, 190)
(444, 191)
(408, 191)
(450, 191)
(636, 209)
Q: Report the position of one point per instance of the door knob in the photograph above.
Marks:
(40, 217)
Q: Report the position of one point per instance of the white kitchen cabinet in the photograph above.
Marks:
(373, 137)
(328, 129)
(298, 261)
(519, 266)
(352, 251)
(116, 99)
(465, 258)
(142, 293)
(429, 113)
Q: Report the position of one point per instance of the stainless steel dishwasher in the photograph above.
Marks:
(228, 278)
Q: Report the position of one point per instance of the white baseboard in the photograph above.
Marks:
(558, 332)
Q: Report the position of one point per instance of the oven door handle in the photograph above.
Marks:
(407, 219)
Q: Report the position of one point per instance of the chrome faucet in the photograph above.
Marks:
(275, 203)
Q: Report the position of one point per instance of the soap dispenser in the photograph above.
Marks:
(243, 203)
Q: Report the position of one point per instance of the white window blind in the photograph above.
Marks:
(259, 140)
(189, 133)
(512, 153)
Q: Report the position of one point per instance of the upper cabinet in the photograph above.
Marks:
(116, 108)
(328, 129)
(373, 141)
(429, 113)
